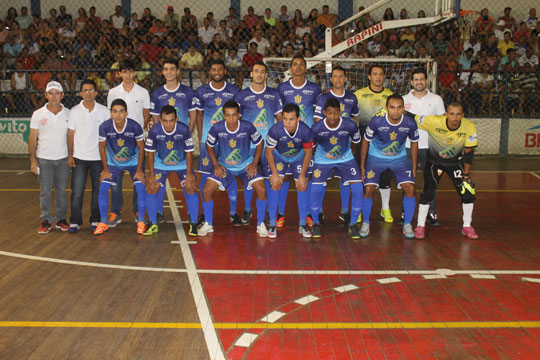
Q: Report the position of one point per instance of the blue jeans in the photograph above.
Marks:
(57, 172)
(78, 184)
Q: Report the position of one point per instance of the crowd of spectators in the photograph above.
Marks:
(490, 58)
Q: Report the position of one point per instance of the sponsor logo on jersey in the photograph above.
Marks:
(334, 153)
(448, 153)
(170, 145)
(261, 121)
(122, 155)
(172, 158)
(392, 149)
(234, 157)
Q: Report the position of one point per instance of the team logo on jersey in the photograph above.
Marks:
(170, 145)
(333, 140)
(317, 173)
(290, 144)
(279, 166)
(172, 101)
(232, 143)
(393, 135)
(298, 99)
(370, 174)
(439, 172)
(260, 103)
(218, 101)
(449, 140)
(120, 142)
(205, 161)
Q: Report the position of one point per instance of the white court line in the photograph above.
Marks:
(476, 171)
(91, 264)
(535, 174)
(212, 342)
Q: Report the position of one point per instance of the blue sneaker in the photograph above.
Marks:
(94, 225)
(73, 228)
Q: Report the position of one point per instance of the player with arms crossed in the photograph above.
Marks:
(261, 106)
(169, 148)
(348, 110)
(233, 138)
(371, 102)
(335, 138)
(180, 97)
(289, 146)
(210, 99)
(304, 93)
(452, 140)
(121, 147)
(383, 149)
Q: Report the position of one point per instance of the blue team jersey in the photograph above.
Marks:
(334, 145)
(122, 147)
(181, 99)
(388, 140)
(233, 151)
(305, 97)
(289, 148)
(211, 101)
(170, 148)
(259, 109)
(348, 104)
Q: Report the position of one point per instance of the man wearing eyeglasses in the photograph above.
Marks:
(83, 153)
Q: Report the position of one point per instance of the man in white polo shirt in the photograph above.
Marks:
(138, 103)
(421, 101)
(83, 153)
(47, 146)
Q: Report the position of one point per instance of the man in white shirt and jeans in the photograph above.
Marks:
(83, 153)
(138, 103)
(421, 101)
(47, 146)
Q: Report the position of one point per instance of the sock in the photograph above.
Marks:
(345, 193)
(141, 200)
(317, 196)
(103, 200)
(232, 191)
(356, 205)
(366, 209)
(273, 199)
(409, 204)
(261, 211)
(308, 199)
(283, 197)
(303, 206)
(248, 195)
(467, 214)
(422, 214)
(192, 201)
(151, 205)
(322, 202)
(208, 209)
(204, 177)
(385, 198)
(160, 200)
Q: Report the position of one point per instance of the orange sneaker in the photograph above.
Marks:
(141, 227)
(101, 228)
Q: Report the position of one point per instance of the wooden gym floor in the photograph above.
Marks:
(233, 295)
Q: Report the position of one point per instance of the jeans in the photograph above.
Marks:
(78, 184)
(50, 171)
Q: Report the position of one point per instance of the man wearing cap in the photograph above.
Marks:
(170, 19)
(509, 21)
(500, 29)
(47, 145)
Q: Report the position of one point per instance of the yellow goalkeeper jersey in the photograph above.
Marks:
(371, 103)
(446, 146)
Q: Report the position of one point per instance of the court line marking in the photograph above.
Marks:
(210, 335)
(333, 190)
(535, 175)
(474, 171)
(278, 326)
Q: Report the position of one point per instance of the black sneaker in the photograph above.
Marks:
(401, 220)
(193, 229)
(246, 218)
(316, 231)
(345, 217)
(160, 218)
(354, 232)
(321, 218)
(432, 220)
(235, 219)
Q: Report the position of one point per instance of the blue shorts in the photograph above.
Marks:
(284, 168)
(205, 164)
(162, 175)
(348, 172)
(401, 168)
(118, 171)
(230, 177)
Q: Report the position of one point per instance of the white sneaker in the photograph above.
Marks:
(304, 230)
(272, 232)
(205, 229)
(364, 230)
(261, 230)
